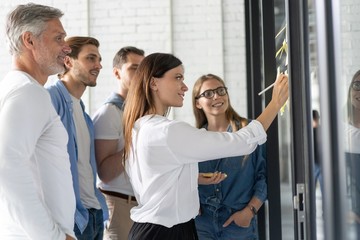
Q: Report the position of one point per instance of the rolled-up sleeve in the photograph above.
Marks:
(258, 131)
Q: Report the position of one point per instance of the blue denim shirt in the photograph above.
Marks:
(245, 178)
(117, 100)
(63, 105)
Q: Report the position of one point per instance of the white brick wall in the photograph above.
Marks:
(207, 35)
(350, 39)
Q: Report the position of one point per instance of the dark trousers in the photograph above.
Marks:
(95, 228)
(149, 231)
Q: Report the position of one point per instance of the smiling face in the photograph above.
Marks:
(215, 106)
(86, 68)
(170, 89)
(50, 48)
(355, 95)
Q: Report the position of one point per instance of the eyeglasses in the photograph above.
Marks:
(221, 91)
(355, 85)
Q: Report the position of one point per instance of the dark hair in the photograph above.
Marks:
(315, 115)
(76, 43)
(121, 56)
(140, 101)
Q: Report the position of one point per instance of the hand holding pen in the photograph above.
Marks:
(279, 97)
(271, 85)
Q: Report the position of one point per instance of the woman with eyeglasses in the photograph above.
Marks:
(228, 208)
(161, 155)
(352, 150)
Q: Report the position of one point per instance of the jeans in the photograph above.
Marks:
(209, 225)
(95, 228)
(318, 176)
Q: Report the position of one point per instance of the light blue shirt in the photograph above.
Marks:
(63, 105)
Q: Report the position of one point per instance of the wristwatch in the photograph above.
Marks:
(253, 209)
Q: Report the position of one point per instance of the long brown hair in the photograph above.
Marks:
(140, 101)
(236, 121)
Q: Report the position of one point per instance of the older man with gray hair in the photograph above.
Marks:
(36, 193)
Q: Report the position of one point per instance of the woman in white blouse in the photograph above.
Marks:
(161, 155)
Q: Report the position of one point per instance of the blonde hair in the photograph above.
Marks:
(350, 107)
(236, 121)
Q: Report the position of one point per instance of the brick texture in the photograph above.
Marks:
(208, 36)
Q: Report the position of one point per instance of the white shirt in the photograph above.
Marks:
(86, 179)
(163, 168)
(108, 126)
(36, 192)
(352, 139)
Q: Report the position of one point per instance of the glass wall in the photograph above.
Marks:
(336, 95)
(316, 122)
(281, 57)
(350, 100)
(318, 133)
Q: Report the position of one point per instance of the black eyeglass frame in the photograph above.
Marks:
(213, 91)
(355, 85)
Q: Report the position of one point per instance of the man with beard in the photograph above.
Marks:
(36, 196)
(82, 67)
(109, 143)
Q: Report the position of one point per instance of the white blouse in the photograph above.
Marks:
(163, 169)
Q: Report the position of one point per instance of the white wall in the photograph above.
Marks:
(207, 35)
(350, 39)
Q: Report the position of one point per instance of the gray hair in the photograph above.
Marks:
(27, 18)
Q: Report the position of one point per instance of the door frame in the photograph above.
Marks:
(260, 63)
(260, 29)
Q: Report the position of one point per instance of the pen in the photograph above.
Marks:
(266, 89)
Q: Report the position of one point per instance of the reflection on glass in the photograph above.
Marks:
(350, 48)
(287, 213)
(352, 155)
(318, 179)
(316, 117)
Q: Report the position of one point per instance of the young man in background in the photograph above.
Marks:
(109, 144)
